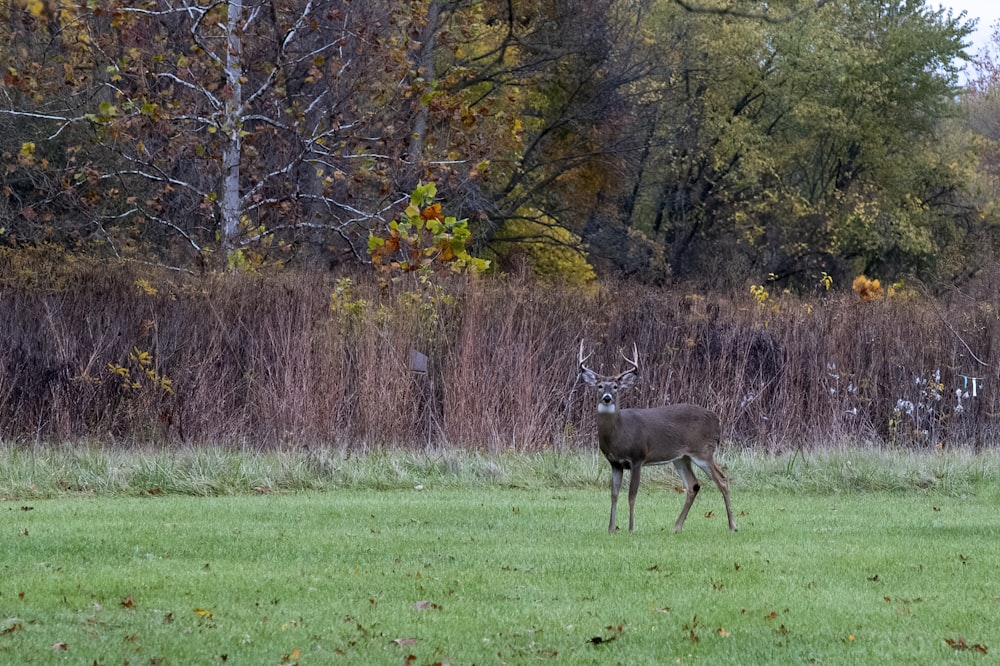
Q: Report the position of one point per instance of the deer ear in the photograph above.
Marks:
(589, 377)
(627, 380)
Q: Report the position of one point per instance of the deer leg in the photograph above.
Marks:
(715, 472)
(633, 490)
(616, 484)
(691, 487)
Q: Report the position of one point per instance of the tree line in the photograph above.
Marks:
(651, 139)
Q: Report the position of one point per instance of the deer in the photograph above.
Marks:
(631, 438)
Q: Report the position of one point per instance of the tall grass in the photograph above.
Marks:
(48, 471)
(129, 356)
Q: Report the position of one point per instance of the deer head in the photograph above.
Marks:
(608, 386)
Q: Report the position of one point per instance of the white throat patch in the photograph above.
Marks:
(603, 408)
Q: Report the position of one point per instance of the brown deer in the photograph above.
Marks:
(631, 438)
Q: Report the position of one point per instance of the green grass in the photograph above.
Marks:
(493, 561)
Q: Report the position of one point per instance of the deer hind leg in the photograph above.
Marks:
(713, 470)
(633, 490)
(691, 487)
(616, 484)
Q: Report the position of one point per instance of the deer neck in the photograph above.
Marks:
(609, 419)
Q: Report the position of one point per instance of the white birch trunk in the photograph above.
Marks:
(229, 187)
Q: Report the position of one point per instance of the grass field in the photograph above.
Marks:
(836, 561)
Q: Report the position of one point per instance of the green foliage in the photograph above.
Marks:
(816, 143)
(423, 240)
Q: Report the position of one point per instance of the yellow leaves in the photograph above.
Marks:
(553, 252)
(867, 290)
(146, 372)
(36, 7)
(145, 287)
(203, 612)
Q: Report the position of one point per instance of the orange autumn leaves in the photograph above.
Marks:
(424, 239)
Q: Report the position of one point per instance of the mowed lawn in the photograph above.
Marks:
(495, 575)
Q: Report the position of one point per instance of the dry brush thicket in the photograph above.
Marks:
(131, 356)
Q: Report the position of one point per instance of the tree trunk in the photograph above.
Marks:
(229, 188)
(425, 67)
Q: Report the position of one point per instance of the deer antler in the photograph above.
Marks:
(634, 361)
(583, 359)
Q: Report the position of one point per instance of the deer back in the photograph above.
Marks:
(659, 434)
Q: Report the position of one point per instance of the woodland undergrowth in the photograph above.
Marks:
(128, 355)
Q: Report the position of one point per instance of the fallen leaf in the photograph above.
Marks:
(128, 602)
(724, 633)
(404, 641)
(205, 613)
(292, 658)
(961, 644)
(60, 646)
(425, 605)
(17, 626)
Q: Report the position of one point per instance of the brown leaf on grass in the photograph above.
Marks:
(961, 644)
(128, 602)
(292, 658)
(404, 641)
(17, 626)
(203, 612)
(60, 646)
(425, 605)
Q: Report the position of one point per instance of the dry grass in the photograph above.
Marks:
(266, 362)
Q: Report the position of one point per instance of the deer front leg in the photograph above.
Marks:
(633, 490)
(616, 484)
(683, 467)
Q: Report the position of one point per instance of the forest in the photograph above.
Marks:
(223, 220)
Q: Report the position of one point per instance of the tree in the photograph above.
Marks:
(233, 123)
(799, 144)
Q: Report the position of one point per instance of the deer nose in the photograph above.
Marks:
(607, 399)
